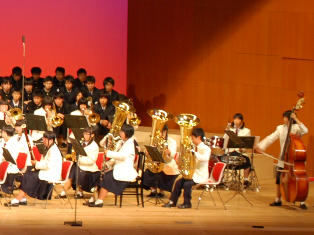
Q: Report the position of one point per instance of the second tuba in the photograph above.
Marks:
(160, 118)
(186, 160)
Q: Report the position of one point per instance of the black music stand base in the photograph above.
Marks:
(255, 186)
(238, 189)
(74, 223)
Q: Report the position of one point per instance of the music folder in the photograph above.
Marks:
(75, 121)
(36, 122)
(154, 153)
(7, 156)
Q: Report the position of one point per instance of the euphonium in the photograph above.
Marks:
(56, 120)
(94, 117)
(122, 111)
(186, 161)
(160, 118)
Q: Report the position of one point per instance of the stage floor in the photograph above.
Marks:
(239, 218)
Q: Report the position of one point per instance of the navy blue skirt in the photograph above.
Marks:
(113, 185)
(165, 182)
(34, 187)
(8, 185)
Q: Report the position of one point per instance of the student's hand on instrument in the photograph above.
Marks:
(105, 152)
(109, 125)
(104, 123)
(60, 115)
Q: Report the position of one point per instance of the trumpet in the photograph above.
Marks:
(94, 117)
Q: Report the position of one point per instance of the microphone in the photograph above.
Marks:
(23, 39)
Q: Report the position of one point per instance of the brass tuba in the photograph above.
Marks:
(122, 111)
(160, 118)
(186, 161)
(94, 117)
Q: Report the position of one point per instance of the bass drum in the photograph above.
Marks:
(216, 145)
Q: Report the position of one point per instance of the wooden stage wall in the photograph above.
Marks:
(216, 58)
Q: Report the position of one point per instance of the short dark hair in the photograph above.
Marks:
(239, 116)
(90, 79)
(20, 122)
(16, 89)
(4, 102)
(7, 80)
(69, 78)
(17, 70)
(38, 93)
(50, 135)
(8, 129)
(108, 80)
(104, 94)
(36, 70)
(128, 130)
(28, 81)
(58, 94)
(60, 69)
(287, 114)
(48, 100)
(81, 70)
(48, 79)
(82, 100)
(82, 91)
(199, 132)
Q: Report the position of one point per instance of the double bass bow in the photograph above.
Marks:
(294, 183)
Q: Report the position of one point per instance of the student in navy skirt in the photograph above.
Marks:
(10, 144)
(115, 181)
(35, 183)
(88, 172)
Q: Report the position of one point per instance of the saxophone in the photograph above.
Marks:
(186, 161)
(160, 118)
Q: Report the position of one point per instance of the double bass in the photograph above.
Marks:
(294, 183)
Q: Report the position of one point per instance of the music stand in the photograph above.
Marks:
(35, 122)
(251, 142)
(75, 121)
(8, 157)
(236, 142)
(78, 133)
(156, 157)
(41, 148)
(79, 151)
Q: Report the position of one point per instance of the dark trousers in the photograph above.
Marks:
(186, 185)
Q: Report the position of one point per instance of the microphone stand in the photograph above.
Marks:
(23, 72)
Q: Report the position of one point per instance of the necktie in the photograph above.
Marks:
(19, 138)
(237, 131)
(84, 145)
(4, 144)
(195, 149)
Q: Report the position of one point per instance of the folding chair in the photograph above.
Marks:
(213, 181)
(137, 184)
(21, 161)
(66, 168)
(36, 153)
(3, 176)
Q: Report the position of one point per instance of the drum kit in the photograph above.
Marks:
(216, 143)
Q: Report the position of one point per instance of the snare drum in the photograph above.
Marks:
(233, 160)
(217, 144)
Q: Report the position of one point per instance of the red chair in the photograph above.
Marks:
(3, 176)
(21, 161)
(36, 153)
(214, 179)
(66, 168)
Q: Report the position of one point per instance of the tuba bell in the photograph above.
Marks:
(160, 118)
(56, 120)
(186, 160)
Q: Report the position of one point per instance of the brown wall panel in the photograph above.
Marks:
(216, 58)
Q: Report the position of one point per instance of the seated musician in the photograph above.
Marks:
(237, 126)
(89, 174)
(78, 94)
(5, 113)
(10, 144)
(35, 183)
(169, 173)
(281, 133)
(202, 153)
(48, 113)
(117, 180)
(22, 143)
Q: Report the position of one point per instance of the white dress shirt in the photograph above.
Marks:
(88, 163)
(171, 167)
(241, 132)
(11, 146)
(201, 164)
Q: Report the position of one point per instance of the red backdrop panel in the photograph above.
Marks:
(71, 34)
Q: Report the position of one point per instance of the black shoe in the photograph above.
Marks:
(96, 205)
(87, 203)
(63, 145)
(23, 203)
(276, 203)
(303, 206)
(60, 196)
(247, 183)
(169, 205)
(151, 194)
(11, 204)
(185, 206)
(161, 195)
